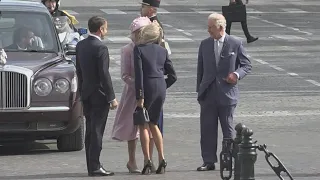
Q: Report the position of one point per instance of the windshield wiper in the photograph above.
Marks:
(41, 51)
(31, 50)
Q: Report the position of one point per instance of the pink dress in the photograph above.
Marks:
(123, 127)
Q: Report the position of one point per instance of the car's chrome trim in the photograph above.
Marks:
(39, 109)
(25, 71)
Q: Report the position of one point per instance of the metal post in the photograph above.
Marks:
(226, 158)
(247, 155)
(237, 166)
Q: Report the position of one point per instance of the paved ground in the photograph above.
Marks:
(280, 100)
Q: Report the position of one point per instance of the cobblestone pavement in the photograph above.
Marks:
(280, 100)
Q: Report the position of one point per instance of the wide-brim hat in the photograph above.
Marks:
(153, 3)
(139, 22)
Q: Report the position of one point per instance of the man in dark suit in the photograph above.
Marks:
(96, 91)
(244, 25)
(222, 61)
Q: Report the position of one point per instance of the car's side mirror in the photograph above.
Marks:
(82, 31)
(70, 49)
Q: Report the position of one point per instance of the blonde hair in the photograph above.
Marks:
(135, 36)
(151, 33)
(219, 19)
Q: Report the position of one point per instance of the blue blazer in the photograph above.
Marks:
(233, 58)
(152, 61)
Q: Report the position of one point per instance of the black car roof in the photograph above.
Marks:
(16, 5)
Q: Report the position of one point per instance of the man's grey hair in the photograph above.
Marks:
(219, 19)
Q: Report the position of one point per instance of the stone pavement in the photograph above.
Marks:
(279, 100)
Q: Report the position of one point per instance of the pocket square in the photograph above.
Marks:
(227, 55)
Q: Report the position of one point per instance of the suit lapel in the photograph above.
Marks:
(225, 46)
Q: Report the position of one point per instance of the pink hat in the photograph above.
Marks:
(138, 23)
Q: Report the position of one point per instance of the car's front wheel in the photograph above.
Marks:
(73, 141)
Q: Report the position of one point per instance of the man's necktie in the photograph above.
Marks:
(216, 51)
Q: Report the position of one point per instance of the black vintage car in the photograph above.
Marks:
(38, 85)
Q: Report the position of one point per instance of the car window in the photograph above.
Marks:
(31, 31)
(7, 22)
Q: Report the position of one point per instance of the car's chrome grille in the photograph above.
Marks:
(13, 90)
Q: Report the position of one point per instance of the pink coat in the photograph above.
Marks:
(123, 128)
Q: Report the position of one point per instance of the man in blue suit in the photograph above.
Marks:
(222, 61)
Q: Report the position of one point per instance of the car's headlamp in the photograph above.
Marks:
(74, 84)
(42, 87)
(62, 85)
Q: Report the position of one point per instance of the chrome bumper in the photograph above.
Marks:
(38, 109)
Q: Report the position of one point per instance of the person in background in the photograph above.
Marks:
(151, 64)
(123, 127)
(149, 9)
(53, 8)
(244, 25)
(222, 62)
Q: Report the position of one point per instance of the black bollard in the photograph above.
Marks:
(247, 155)
(226, 158)
(237, 166)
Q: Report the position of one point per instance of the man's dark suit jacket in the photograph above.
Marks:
(92, 63)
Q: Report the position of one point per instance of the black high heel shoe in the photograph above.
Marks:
(147, 167)
(162, 167)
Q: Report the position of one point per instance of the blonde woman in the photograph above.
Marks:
(123, 128)
(151, 64)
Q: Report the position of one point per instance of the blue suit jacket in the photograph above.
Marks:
(233, 59)
(151, 61)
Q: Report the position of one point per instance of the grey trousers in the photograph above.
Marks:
(210, 113)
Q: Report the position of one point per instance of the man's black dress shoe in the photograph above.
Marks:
(206, 167)
(101, 172)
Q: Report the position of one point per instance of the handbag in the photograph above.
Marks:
(140, 116)
(235, 13)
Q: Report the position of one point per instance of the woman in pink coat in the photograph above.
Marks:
(123, 128)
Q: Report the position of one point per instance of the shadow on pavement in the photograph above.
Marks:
(294, 175)
(46, 176)
(28, 148)
(79, 175)
(61, 176)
